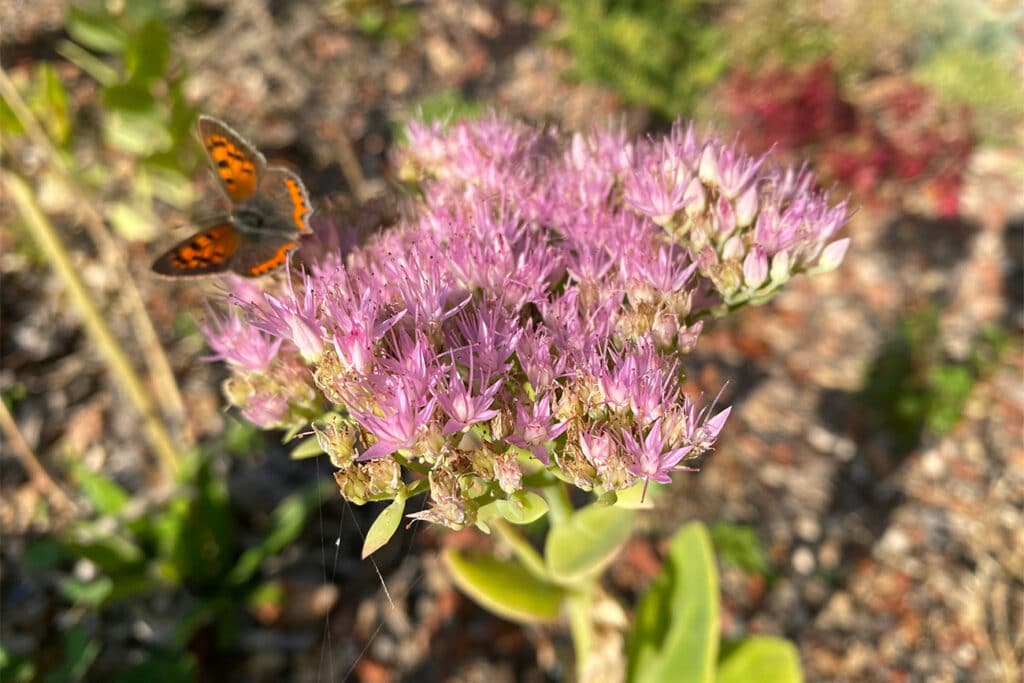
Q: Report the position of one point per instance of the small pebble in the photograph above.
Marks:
(803, 560)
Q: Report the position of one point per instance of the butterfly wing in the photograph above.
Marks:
(239, 165)
(288, 196)
(260, 255)
(208, 251)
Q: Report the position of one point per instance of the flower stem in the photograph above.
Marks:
(558, 502)
(581, 626)
(120, 366)
(527, 555)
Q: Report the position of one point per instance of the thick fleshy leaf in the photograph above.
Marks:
(307, 448)
(636, 498)
(675, 633)
(522, 507)
(504, 587)
(762, 658)
(385, 526)
(586, 542)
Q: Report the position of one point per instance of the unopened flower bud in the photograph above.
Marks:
(746, 207)
(732, 250)
(725, 217)
(755, 268)
(780, 270)
(664, 330)
(709, 166)
(833, 255)
(688, 336)
(696, 198)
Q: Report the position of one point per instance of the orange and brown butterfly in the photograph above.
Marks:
(269, 212)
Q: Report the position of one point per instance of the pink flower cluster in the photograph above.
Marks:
(531, 312)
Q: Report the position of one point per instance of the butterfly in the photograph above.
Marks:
(270, 211)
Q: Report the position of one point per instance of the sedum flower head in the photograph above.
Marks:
(532, 312)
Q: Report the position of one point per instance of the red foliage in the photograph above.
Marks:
(893, 141)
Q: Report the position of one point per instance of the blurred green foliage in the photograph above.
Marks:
(984, 82)
(738, 545)
(913, 388)
(186, 546)
(677, 635)
(967, 51)
(144, 121)
(664, 54)
(963, 49)
(445, 106)
(383, 19)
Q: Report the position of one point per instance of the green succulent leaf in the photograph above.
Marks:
(307, 448)
(675, 633)
(639, 496)
(522, 507)
(587, 542)
(762, 658)
(504, 587)
(385, 526)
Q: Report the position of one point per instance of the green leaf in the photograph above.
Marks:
(92, 594)
(739, 545)
(385, 526)
(586, 542)
(96, 31)
(16, 668)
(639, 496)
(169, 184)
(675, 633)
(110, 550)
(108, 497)
(147, 53)
(286, 523)
(134, 221)
(764, 659)
(198, 534)
(45, 554)
(162, 668)
(522, 507)
(133, 122)
(504, 587)
(49, 100)
(88, 62)
(307, 448)
(80, 651)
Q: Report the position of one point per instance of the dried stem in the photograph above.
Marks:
(124, 373)
(168, 393)
(40, 478)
